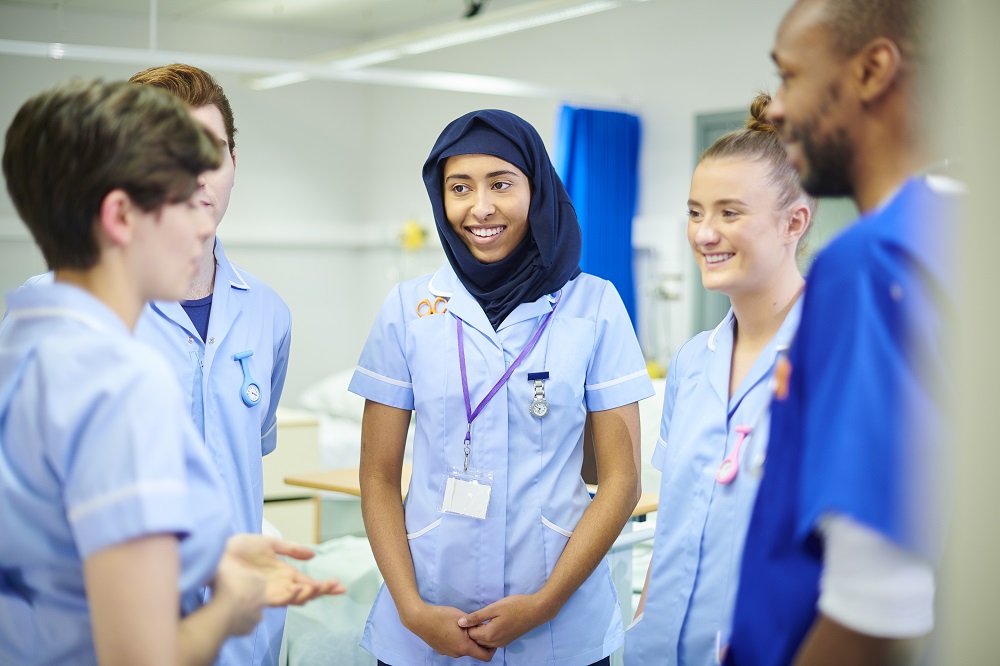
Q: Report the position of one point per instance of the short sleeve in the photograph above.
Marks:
(125, 469)
(383, 374)
(617, 374)
(869, 412)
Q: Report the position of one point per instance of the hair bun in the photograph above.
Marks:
(758, 121)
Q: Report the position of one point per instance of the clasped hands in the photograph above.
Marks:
(454, 633)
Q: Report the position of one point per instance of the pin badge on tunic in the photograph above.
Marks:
(539, 405)
(250, 391)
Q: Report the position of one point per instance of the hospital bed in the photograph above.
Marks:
(324, 433)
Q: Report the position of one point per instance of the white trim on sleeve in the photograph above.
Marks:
(149, 488)
(614, 382)
(383, 378)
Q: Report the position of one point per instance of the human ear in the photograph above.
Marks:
(877, 67)
(799, 219)
(116, 218)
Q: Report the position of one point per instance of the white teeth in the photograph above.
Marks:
(485, 233)
(716, 258)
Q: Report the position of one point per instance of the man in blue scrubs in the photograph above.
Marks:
(838, 566)
(228, 343)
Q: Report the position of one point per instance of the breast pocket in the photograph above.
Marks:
(565, 356)
(432, 360)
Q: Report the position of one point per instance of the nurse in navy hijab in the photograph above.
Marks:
(501, 258)
(502, 355)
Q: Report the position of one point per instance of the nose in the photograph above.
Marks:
(484, 206)
(706, 234)
(202, 181)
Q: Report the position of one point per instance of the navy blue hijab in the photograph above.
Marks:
(549, 255)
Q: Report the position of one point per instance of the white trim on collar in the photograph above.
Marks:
(242, 284)
(945, 184)
(434, 290)
(725, 320)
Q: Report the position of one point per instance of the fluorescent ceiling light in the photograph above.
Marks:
(354, 64)
(494, 24)
(284, 72)
(278, 80)
(477, 33)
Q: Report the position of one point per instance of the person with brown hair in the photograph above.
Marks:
(113, 518)
(228, 342)
(747, 217)
(838, 566)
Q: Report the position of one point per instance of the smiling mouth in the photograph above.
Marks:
(485, 232)
(485, 235)
(718, 258)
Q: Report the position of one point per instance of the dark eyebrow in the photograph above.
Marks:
(491, 174)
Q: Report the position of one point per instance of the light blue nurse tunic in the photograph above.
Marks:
(246, 315)
(701, 524)
(95, 450)
(594, 363)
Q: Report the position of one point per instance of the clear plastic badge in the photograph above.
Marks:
(467, 492)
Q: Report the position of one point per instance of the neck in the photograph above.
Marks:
(110, 285)
(759, 314)
(203, 282)
(874, 186)
(893, 152)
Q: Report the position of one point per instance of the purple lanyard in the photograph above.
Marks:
(471, 415)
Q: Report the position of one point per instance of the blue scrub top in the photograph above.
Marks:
(594, 363)
(702, 523)
(247, 315)
(861, 433)
(95, 450)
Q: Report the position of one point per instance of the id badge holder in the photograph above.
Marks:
(466, 492)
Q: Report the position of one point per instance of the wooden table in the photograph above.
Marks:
(347, 481)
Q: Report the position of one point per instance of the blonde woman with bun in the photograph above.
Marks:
(747, 217)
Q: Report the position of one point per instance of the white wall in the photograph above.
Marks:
(328, 171)
(970, 585)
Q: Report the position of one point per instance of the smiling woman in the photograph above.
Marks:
(747, 216)
(497, 552)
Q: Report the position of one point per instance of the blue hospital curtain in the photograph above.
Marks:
(597, 157)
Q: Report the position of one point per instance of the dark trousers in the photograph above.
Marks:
(603, 662)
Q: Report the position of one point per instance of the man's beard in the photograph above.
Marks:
(828, 162)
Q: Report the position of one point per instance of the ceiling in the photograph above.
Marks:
(291, 41)
(351, 20)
